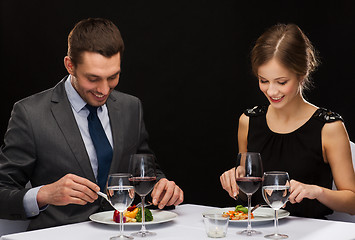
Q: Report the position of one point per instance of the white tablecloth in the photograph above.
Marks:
(189, 225)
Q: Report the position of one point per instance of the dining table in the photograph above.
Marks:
(188, 224)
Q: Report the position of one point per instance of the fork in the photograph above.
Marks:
(145, 204)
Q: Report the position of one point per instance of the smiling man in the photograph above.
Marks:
(51, 139)
(96, 77)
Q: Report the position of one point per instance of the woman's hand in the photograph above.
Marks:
(299, 191)
(229, 183)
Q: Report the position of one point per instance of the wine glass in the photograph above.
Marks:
(142, 168)
(120, 194)
(276, 189)
(249, 172)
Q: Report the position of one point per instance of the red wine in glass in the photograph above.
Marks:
(143, 170)
(249, 173)
(143, 185)
(249, 185)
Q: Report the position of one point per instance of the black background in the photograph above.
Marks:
(188, 61)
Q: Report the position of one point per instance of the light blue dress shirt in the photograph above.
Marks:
(80, 113)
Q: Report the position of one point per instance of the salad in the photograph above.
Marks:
(133, 214)
(240, 213)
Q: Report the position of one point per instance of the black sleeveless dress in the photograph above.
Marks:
(299, 153)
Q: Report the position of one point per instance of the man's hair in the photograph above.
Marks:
(94, 35)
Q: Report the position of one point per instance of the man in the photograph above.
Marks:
(49, 140)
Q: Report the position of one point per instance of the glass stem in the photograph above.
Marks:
(121, 223)
(143, 229)
(276, 223)
(249, 208)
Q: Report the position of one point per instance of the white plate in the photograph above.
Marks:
(159, 216)
(261, 214)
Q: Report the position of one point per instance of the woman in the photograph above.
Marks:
(293, 135)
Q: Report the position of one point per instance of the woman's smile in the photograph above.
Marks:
(276, 99)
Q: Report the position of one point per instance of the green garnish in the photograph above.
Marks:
(147, 214)
(241, 208)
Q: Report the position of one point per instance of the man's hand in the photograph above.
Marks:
(70, 189)
(167, 193)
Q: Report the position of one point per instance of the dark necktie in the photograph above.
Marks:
(102, 146)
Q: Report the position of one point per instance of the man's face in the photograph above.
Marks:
(95, 77)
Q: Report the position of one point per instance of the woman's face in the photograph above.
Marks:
(280, 85)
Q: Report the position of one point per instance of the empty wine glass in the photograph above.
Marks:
(276, 189)
(143, 170)
(249, 172)
(120, 194)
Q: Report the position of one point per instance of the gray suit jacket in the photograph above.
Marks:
(43, 143)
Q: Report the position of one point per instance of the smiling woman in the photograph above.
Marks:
(293, 135)
(291, 47)
(277, 82)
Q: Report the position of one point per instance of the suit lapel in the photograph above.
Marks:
(116, 128)
(64, 116)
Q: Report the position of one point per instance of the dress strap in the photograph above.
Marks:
(327, 116)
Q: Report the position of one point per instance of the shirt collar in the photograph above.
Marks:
(74, 98)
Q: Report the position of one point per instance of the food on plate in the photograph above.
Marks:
(148, 216)
(240, 208)
(116, 217)
(133, 214)
(240, 213)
